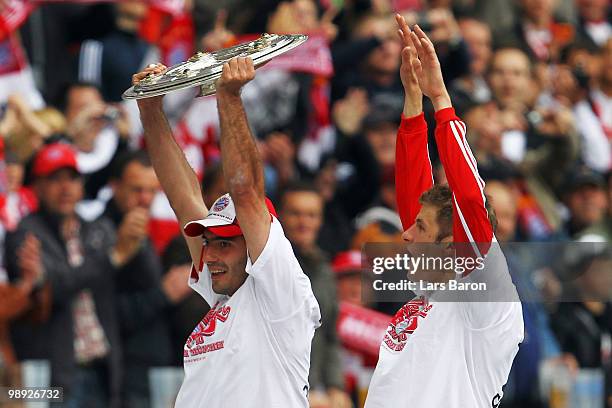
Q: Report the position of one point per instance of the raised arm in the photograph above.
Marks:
(242, 164)
(413, 173)
(470, 221)
(176, 176)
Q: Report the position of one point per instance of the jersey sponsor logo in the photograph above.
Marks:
(207, 328)
(496, 401)
(405, 322)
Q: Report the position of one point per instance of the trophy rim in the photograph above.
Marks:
(215, 73)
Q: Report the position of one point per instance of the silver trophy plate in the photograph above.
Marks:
(204, 68)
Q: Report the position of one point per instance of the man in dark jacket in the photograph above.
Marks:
(584, 327)
(142, 295)
(78, 259)
(302, 214)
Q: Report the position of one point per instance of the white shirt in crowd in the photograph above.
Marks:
(439, 353)
(253, 348)
(596, 149)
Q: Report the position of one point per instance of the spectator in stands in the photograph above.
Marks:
(575, 81)
(348, 270)
(349, 181)
(522, 389)
(182, 316)
(25, 129)
(510, 77)
(301, 211)
(110, 62)
(526, 126)
(355, 300)
(16, 299)
(586, 200)
(378, 64)
(380, 222)
(594, 21)
(23, 299)
(98, 130)
(379, 128)
(143, 295)
(537, 32)
(278, 152)
(78, 259)
(439, 21)
(472, 88)
(602, 96)
(602, 231)
(535, 179)
(17, 202)
(584, 327)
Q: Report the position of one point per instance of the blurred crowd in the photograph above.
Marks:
(93, 276)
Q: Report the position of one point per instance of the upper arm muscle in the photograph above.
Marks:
(254, 219)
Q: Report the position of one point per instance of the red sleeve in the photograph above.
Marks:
(470, 219)
(413, 174)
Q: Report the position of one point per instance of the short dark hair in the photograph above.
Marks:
(301, 186)
(125, 159)
(441, 197)
(61, 100)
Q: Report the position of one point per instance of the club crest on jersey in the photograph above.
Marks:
(208, 325)
(221, 204)
(405, 322)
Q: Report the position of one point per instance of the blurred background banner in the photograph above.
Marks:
(14, 12)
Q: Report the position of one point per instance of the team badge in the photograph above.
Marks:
(405, 322)
(208, 325)
(400, 327)
(221, 204)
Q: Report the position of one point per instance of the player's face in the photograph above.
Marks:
(226, 260)
(425, 229)
(420, 237)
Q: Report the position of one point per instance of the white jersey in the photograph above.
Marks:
(451, 354)
(253, 349)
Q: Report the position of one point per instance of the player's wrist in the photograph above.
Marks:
(442, 102)
(151, 107)
(412, 109)
(228, 92)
